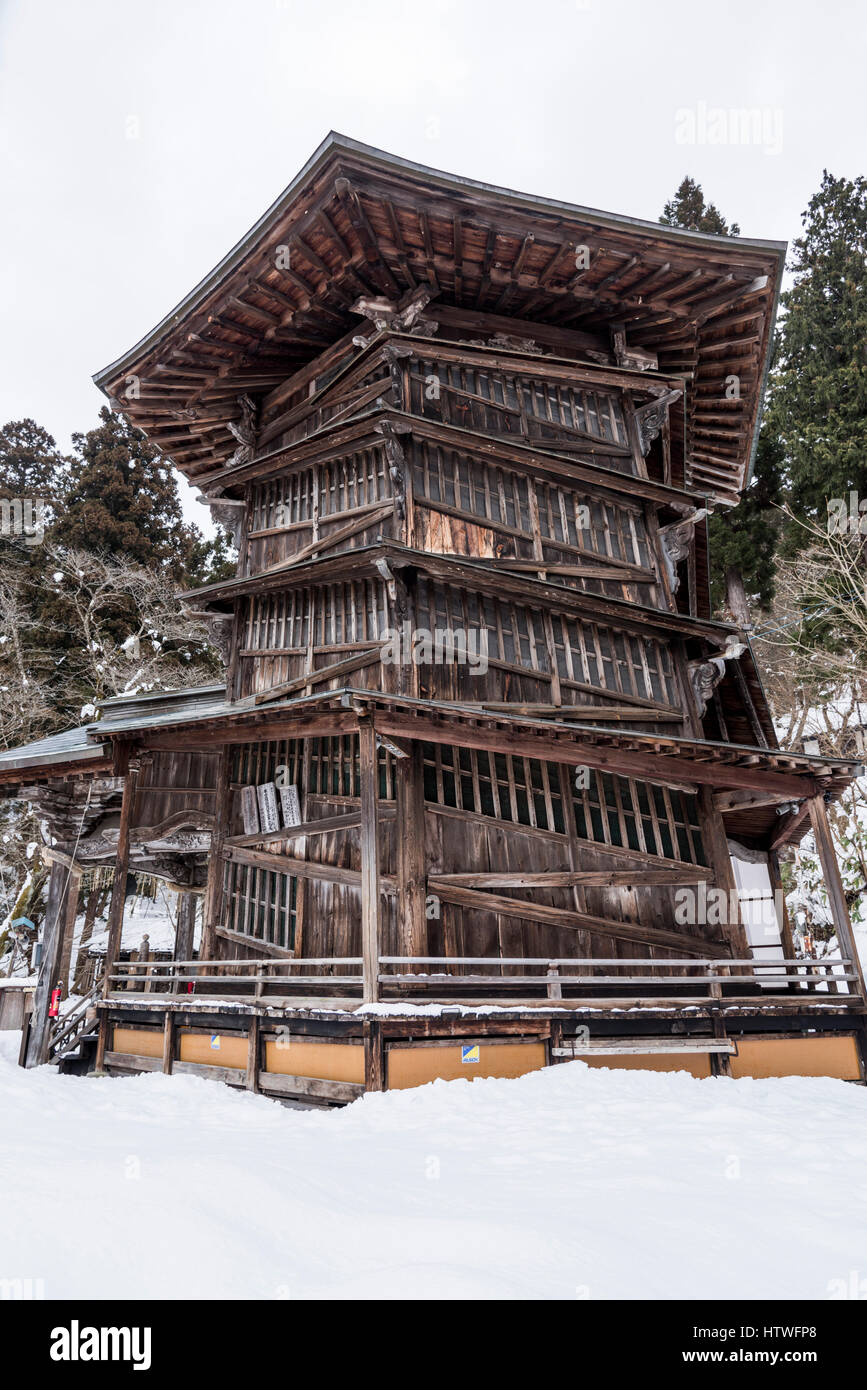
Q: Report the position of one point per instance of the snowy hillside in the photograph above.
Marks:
(570, 1183)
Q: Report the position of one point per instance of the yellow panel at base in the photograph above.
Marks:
(197, 1047)
(416, 1064)
(326, 1061)
(832, 1055)
(138, 1042)
(696, 1063)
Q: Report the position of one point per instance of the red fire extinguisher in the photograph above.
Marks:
(54, 1008)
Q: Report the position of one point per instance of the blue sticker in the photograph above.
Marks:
(215, 1042)
(470, 1053)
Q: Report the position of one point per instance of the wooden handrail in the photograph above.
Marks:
(631, 977)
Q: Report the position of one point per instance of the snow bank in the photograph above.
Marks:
(568, 1183)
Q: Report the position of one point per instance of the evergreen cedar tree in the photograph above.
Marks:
(818, 405)
(115, 496)
(123, 500)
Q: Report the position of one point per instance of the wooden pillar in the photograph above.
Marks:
(411, 865)
(185, 930)
(776, 878)
(834, 887)
(68, 929)
(720, 1062)
(214, 892)
(116, 906)
(52, 941)
(374, 1056)
(90, 913)
(717, 851)
(168, 1042)
(251, 1080)
(370, 893)
(121, 869)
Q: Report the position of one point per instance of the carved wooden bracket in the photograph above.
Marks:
(651, 417)
(704, 678)
(404, 316)
(228, 512)
(244, 430)
(219, 626)
(677, 542)
(638, 359)
(396, 458)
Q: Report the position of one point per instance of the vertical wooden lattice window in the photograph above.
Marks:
(333, 768)
(262, 905)
(610, 810)
(636, 815)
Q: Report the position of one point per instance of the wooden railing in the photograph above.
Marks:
(530, 980)
(68, 1028)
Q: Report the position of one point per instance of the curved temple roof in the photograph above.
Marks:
(359, 223)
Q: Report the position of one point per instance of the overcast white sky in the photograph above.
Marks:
(139, 141)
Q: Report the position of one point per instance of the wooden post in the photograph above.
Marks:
(834, 886)
(411, 879)
(68, 929)
(374, 1056)
(720, 1062)
(116, 906)
(370, 894)
(101, 1043)
(251, 1080)
(717, 850)
(214, 892)
(777, 887)
(168, 1042)
(184, 931)
(52, 940)
(118, 887)
(82, 977)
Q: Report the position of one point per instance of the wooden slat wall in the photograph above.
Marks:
(172, 782)
(483, 813)
(525, 407)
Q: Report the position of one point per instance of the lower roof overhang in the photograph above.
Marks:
(685, 763)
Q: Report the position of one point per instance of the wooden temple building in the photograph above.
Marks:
(481, 743)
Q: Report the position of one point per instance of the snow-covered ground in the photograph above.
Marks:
(569, 1183)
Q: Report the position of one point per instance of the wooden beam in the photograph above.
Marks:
(323, 825)
(286, 864)
(569, 878)
(562, 917)
(318, 676)
(660, 768)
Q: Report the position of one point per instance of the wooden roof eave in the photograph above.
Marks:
(361, 560)
(661, 759)
(333, 438)
(55, 771)
(509, 359)
(375, 173)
